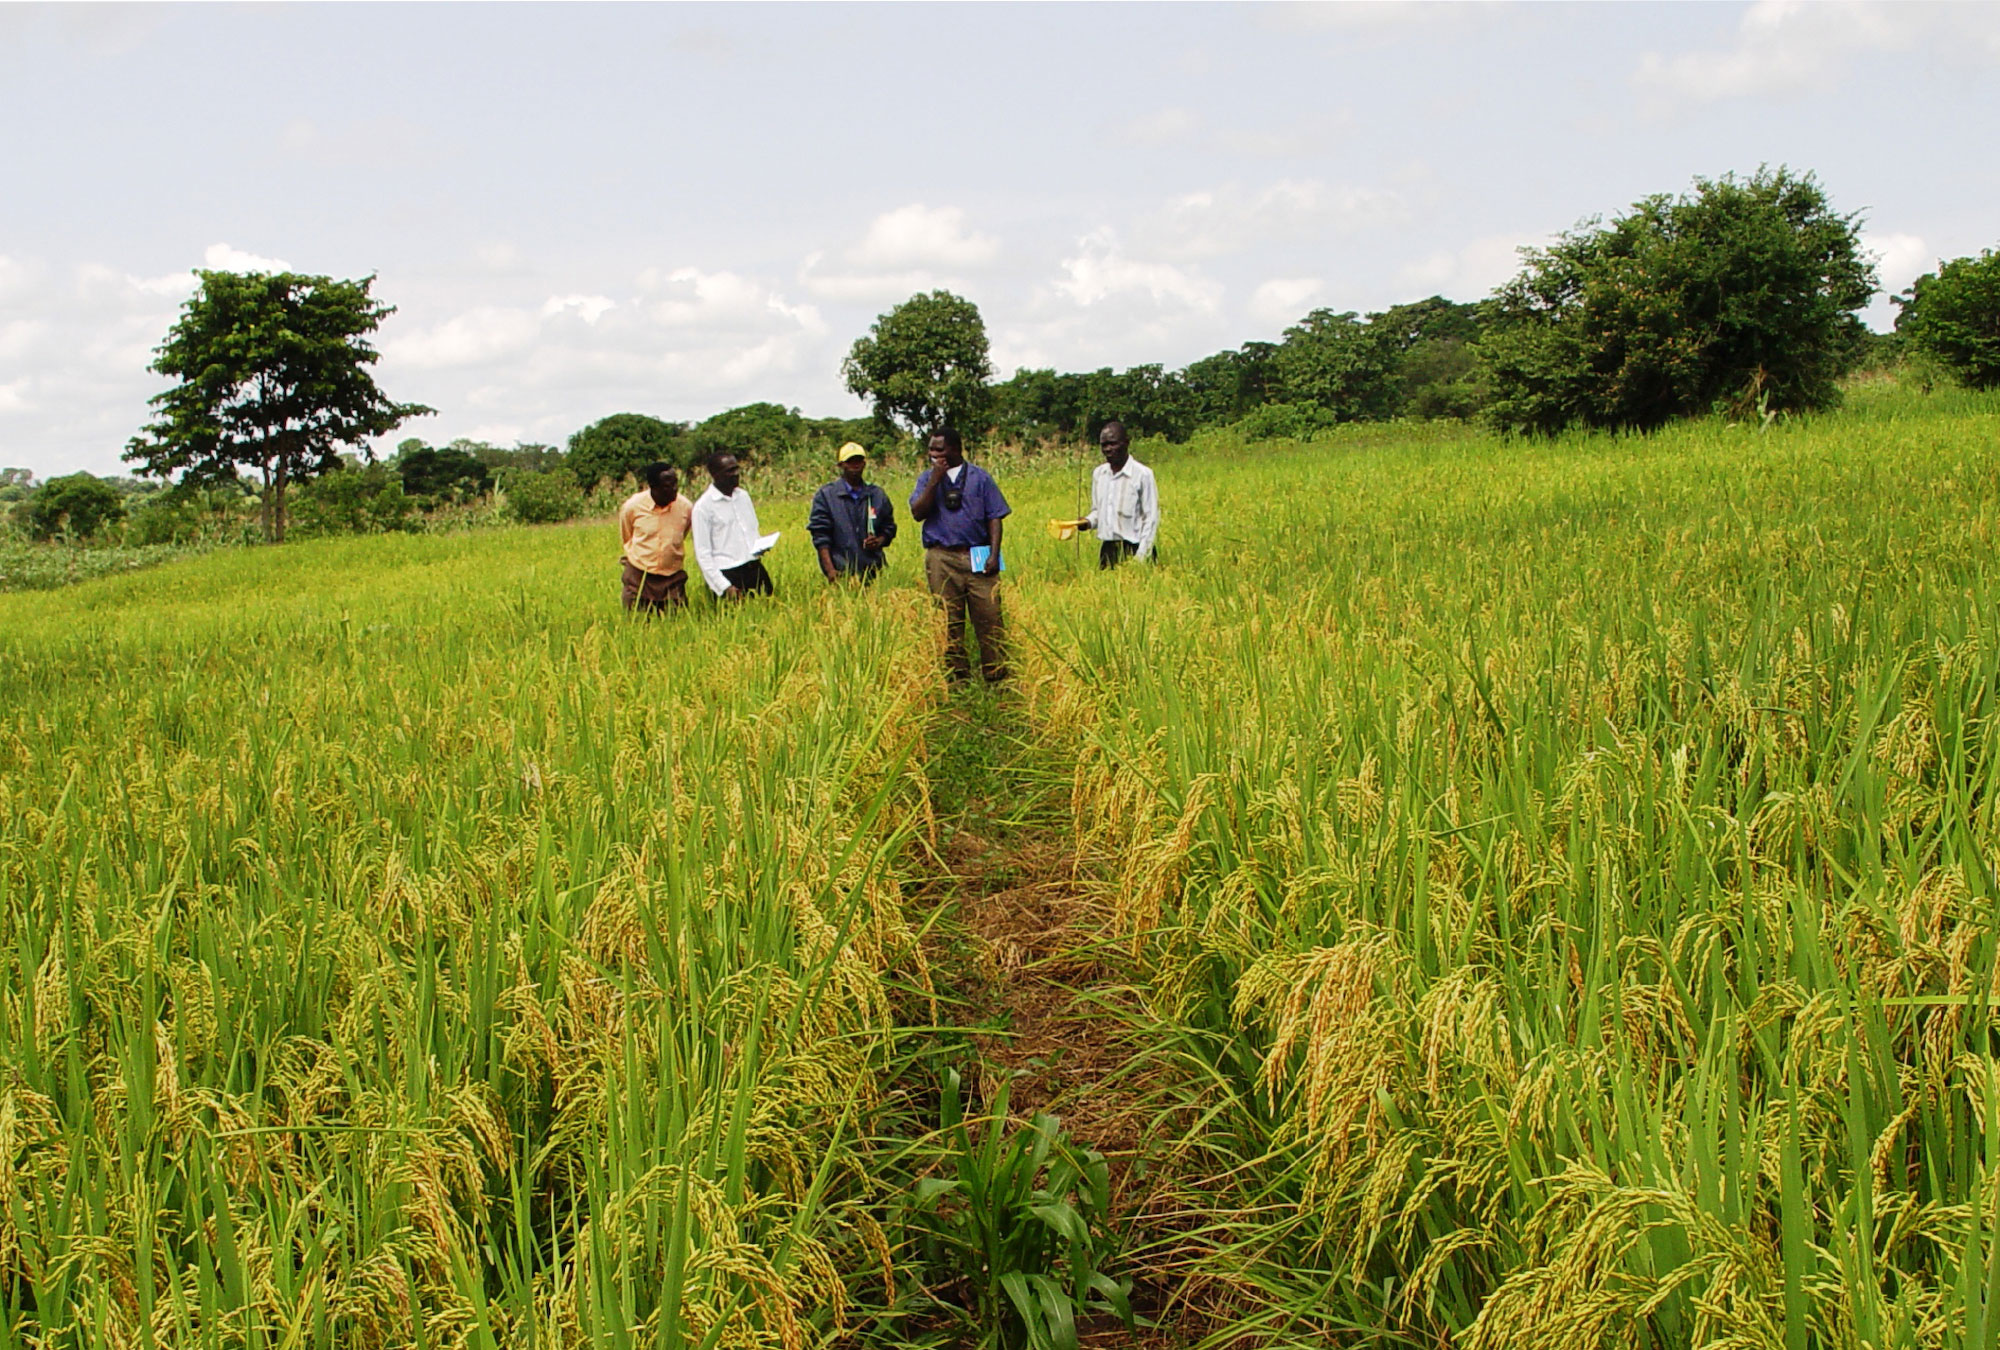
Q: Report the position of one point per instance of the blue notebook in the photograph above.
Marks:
(980, 553)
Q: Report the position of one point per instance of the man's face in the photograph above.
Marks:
(940, 448)
(1115, 445)
(726, 474)
(666, 487)
(852, 471)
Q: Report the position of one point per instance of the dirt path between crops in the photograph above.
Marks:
(1041, 981)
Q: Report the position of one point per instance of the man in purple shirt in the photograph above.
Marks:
(962, 509)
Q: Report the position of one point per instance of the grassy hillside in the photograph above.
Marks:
(1554, 886)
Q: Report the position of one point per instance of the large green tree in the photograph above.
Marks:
(1339, 364)
(924, 364)
(621, 444)
(1742, 295)
(273, 376)
(1953, 315)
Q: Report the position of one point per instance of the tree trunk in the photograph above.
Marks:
(264, 505)
(278, 503)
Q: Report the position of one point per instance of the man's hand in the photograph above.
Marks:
(992, 568)
(831, 573)
(871, 541)
(938, 460)
(733, 593)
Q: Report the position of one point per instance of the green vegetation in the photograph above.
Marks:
(77, 506)
(1741, 297)
(1557, 881)
(924, 364)
(1953, 316)
(1564, 877)
(273, 376)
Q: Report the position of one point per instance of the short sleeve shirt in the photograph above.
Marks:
(966, 526)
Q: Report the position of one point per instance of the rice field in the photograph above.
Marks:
(1555, 884)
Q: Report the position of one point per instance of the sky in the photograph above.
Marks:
(579, 210)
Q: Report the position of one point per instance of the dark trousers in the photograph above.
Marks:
(1111, 552)
(963, 592)
(654, 593)
(750, 578)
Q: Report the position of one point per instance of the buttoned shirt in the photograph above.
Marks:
(965, 527)
(725, 534)
(1125, 504)
(655, 536)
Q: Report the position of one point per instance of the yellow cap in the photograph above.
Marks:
(850, 451)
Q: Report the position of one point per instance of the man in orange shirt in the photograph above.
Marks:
(653, 525)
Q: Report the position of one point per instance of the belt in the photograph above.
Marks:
(948, 548)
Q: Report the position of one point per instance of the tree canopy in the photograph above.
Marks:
(273, 376)
(1953, 315)
(622, 444)
(924, 364)
(1742, 295)
(77, 504)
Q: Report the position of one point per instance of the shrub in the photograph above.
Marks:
(450, 474)
(366, 500)
(542, 498)
(1281, 422)
(1953, 316)
(78, 505)
(1741, 297)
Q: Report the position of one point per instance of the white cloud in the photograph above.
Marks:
(1294, 140)
(1384, 20)
(589, 308)
(865, 288)
(1167, 126)
(1227, 220)
(1785, 47)
(499, 256)
(910, 249)
(1099, 270)
(174, 284)
(1284, 300)
(689, 343)
(920, 236)
(478, 337)
(1899, 259)
(229, 258)
(1472, 271)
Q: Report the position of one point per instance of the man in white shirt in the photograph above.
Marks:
(725, 534)
(1124, 501)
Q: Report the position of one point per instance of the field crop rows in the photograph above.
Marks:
(413, 956)
(1564, 878)
(1559, 880)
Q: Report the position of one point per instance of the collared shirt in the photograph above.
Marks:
(1126, 505)
(725, 534)
(842, 516)
(655, 536)
(965, 527)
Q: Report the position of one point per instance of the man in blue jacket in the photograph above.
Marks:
(962, 510)
(851, 521)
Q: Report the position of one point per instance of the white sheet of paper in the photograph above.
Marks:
(764, 542)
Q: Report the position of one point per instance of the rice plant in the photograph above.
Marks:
(1565, 873)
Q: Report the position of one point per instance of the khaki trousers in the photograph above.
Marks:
(962, 591)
